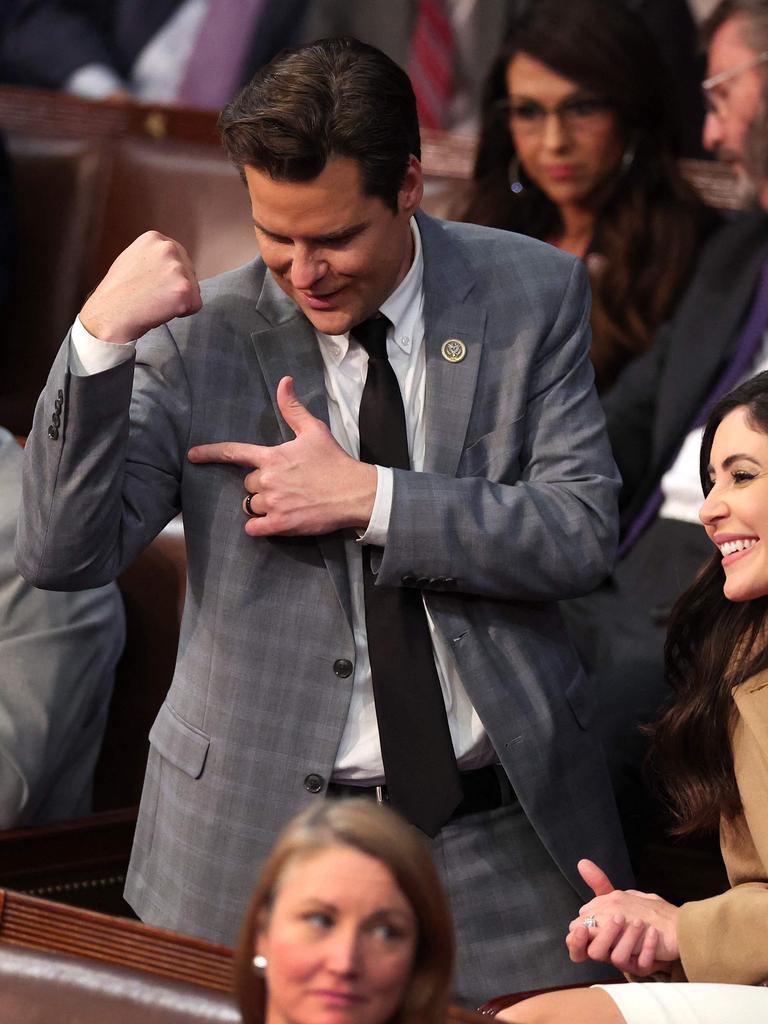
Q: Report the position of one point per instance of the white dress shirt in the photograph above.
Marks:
(158, 70)
(345, 365)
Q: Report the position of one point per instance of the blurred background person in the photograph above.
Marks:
(712, 744)
(579, 147)
(197, 53)
(348, 923)
(448, 48)
(58, 653)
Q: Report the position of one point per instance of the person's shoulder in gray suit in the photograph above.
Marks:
(57, 660)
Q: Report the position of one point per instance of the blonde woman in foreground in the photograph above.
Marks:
(348, 924)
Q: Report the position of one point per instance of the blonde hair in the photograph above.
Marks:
(379, 832)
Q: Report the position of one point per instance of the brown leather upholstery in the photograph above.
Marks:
(185, 190)
(65, 964)
(39, 988)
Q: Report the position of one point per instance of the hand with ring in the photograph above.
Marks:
(634, 931)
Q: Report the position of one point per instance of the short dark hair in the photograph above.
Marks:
(333, 97)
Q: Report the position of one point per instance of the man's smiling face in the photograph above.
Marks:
(337, 252)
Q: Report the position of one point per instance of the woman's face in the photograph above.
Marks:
(735, 512)
(340, 941)
(567, 139)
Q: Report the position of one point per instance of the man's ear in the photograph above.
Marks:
(412, 188)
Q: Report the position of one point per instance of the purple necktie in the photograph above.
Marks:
(747, 347)
(215, 66)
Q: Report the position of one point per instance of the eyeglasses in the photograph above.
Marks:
(717, 104)
(576, 114)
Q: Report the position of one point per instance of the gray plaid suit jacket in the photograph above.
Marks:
(516, 506)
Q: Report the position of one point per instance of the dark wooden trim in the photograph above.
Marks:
(55, 928)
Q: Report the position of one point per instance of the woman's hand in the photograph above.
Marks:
(635, 931)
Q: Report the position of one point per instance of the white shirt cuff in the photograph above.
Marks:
(88, 355)
(94, 82)
(378, 525)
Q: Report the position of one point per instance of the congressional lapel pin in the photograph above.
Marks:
(453, 350)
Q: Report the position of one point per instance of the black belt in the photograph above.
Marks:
(484, 789)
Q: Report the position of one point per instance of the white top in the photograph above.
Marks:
(689, 1003)
(346, 362)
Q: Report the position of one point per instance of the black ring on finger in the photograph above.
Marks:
(248, 508)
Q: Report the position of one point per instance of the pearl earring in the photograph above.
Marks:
(260, 963)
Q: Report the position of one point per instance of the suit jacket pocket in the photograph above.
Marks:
(178, 742)
(579, 695)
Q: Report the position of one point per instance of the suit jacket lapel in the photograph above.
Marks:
(287, 345)
(715, 323)
(448, 313)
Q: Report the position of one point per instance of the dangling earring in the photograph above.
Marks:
(628, 156)
(513, 174)
(260, 963)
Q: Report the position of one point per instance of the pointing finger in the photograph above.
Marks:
(233, 452)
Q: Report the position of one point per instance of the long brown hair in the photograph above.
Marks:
(713, 645)
(649, 220)
(381, 833)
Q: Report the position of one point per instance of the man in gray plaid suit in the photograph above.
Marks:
(238, 406)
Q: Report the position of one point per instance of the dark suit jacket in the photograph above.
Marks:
(653, 405)
(47, 41)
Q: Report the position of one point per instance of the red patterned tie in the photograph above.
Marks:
(431, 63)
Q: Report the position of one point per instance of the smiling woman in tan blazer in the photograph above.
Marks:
(713, 746)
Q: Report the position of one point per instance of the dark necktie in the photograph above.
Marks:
(419, 763)
(744, 353)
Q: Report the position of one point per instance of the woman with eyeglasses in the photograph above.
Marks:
(578, 148)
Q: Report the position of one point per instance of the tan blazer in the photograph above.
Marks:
(725, 938)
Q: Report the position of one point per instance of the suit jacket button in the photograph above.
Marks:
(314, 783)
(408, 581)
(343, 667)
(53, 433)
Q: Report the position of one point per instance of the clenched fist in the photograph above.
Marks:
(150, 282)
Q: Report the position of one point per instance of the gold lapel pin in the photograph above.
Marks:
(453, 350)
